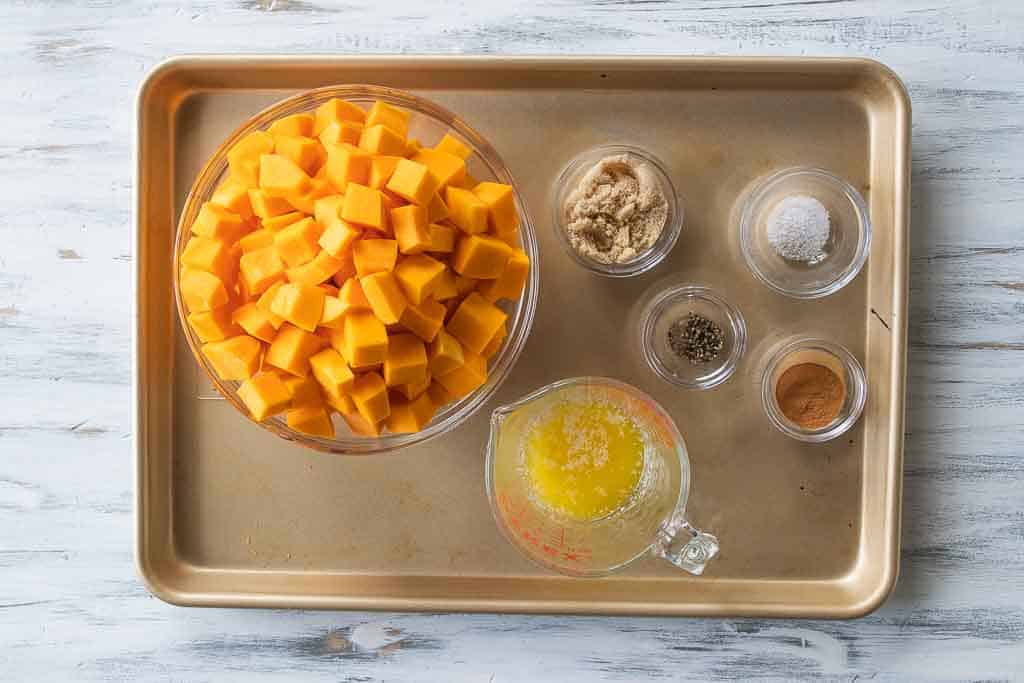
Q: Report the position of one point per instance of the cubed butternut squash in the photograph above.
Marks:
(406, 360)
(341, 133)
(327, 209)
(276, 224)
(412, 182)
(379, 139)
(332, 372)
(352, 297)
(444, 354)
(302, 390)
(338, 237)
(319, 270)
(256, 322)
(481, 256)
(280, 176)
(335, 110)
(418, 275)
(244, 157)
(502, 218)
(452, 145)
(265, 206)
(370, 394)
(291, 349)
(298, 243)
(217, 223)
(466, 378)
(509, 285)
(381, 169)
(424, 320)
(437, 210)
(467, 211)
(334, 312)
(412, 390)
(257, 239)
(213, 256)
(408, 416)
(294, 125)
(233, 196)
(363, 206)
(202, 291)
(260, 268)
(442, 238)
(306, 153)
(364, 341)
(373, 256)
(447, 169)
(475, 322)
(264, 395)
(445, 288)
(311, 419)
(214, 325)
(235, 358)
(347, 164)
(391, 117)
(385, 296)
(301, 305)
(412, 232)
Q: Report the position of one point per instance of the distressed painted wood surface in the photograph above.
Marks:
(71, 606)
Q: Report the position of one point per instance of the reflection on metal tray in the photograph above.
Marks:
(230, 515)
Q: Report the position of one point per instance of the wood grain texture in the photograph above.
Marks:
(71, 606)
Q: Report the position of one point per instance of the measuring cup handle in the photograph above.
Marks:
(685, 546)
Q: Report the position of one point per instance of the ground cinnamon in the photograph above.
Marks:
(810, 395)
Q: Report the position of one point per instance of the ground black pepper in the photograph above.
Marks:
(696, 338)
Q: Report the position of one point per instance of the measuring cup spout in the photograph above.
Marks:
(685, 546)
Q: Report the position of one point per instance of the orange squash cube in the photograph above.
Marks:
(217, 223)
(347, 164)
(412, 232)
(496, 342)
(306, 153)
(260, 268)
(467, 211)
(291, 349)
(445, 288)
(213, 256)
(464, 284)
(236, 358)
(301, 305)
(292, 125)
(447, 169)
(302, 390)
(380, 139)
(233, 196)
(336, 110)
(364, 340)
(406, 360)
(319, 270)
(202, 291)
(381, 169)
(424, 320)
(334, 312)
(306, 201)
(384, 114)
(411, 391)
(374, 256)
(276, 224)
(327, 210)
(502, 217)
(297, 243)
(408, 416)
(509, 285)
(418, 275)
(338, 237)
(475, 322)
(265, 206)
(256, 322)
(264, 395)
(265, 300)
(385, 296)
(453, 146)
(363, 206)
(444, 354)
(347, 270)
(359, 426)
(481, 256)
(342, 403)
(412, 182)
(341, 133)
(442, 238)
(331, 372)
(311, 419)
(466, 378)
(244, 157)
(213, 325)
(352, 297)
(370, 394)
(437, 210)
(280, 176)
(258, 239)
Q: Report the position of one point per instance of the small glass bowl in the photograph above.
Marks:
(647, 259)
(831, 355)
(844, 253)
(673, 304)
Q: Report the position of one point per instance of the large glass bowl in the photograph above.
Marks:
(428, 122)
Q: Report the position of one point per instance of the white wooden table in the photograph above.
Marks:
(71, 605)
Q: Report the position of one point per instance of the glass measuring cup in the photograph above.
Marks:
(651, 520)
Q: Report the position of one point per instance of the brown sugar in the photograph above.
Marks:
(810, 395)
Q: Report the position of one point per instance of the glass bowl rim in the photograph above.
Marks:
(757, 195)
(657, 252)
(521, 319)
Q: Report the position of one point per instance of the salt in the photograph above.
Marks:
(798, 228)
